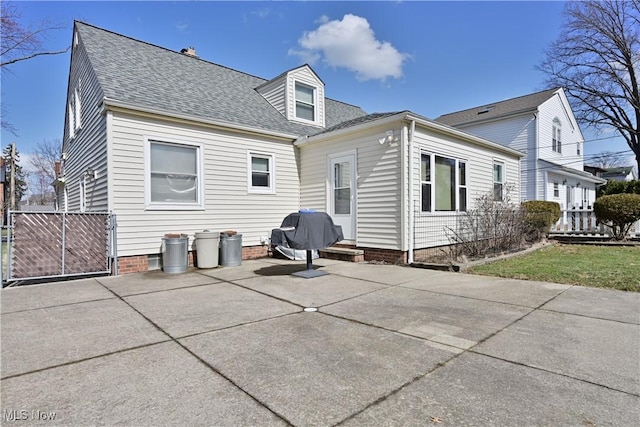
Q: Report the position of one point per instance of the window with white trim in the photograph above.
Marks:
(443, 183)
(305, 102)
(76, 97)
(498, 181)
(174, 175)
(261, 176)
(556, 189)
(556, 136)
(73, 112)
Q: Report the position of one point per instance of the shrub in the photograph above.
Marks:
(618, 187)
(541, 214)
(618, 212)
(490, 228)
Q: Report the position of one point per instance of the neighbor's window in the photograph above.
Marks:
(305, 102)
(498, 181)
(261, 173)
(443, 183)
(174, 175)
(578, 150)
(556, 189)
(556, 138)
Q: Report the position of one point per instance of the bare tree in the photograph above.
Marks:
(43, 161)
(608, 159)
(19, 43)
(596, 60)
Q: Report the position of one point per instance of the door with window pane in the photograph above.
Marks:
(342, 197)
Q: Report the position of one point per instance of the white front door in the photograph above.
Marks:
(342, 194)
(570, 197)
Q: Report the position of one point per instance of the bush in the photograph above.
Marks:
(541, 214)
(618, 212)
(619, 187)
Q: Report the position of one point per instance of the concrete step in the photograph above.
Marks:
(342, 254)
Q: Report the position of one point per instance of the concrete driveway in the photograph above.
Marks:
(387, 345)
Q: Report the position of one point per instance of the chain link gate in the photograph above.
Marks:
(47, 245)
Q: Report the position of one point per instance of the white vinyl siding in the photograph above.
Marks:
(85, 138)
(300, 78)
(275, 93)
(378, 190)
(478, 163)
(224, 164)
(519, 133)
(557, 122)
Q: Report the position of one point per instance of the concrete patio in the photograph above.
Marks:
(387, 345)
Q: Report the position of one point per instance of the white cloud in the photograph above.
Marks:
(182, 26)
(351, 43)
(262, 13)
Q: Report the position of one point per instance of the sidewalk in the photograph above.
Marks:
(387, 345)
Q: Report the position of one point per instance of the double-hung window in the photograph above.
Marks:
(305, 102)
(261, 176)
(174, 175)
(498, 181)
(443, 183)
(556, 136)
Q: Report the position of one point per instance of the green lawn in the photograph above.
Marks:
(615, 267)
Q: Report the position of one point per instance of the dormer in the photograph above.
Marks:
(297, 94)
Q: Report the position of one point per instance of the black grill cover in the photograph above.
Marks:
(313, 230)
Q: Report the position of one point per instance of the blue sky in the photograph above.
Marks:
(428, 57)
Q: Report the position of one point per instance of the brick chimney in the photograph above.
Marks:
(191, 51)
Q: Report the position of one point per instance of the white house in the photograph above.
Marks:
(543, 126)
(170, 142)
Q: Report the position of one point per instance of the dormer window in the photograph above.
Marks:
(305, 102)
(298, 95)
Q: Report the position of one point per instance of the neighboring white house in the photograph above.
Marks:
(543, 126)
(622, 173)
(173, 143)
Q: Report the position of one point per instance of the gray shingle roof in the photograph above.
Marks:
(358, 120)
(497, 109)
(148, 76)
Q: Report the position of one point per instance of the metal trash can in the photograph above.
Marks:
(230, 249)
(207, 249)
(175, 253)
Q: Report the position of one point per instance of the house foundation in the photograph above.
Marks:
(142, 263)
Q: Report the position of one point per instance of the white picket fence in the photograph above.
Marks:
(583, 221)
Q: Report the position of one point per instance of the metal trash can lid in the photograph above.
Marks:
(175, 236)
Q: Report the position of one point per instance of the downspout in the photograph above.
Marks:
(412, 130)
(533, 162)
